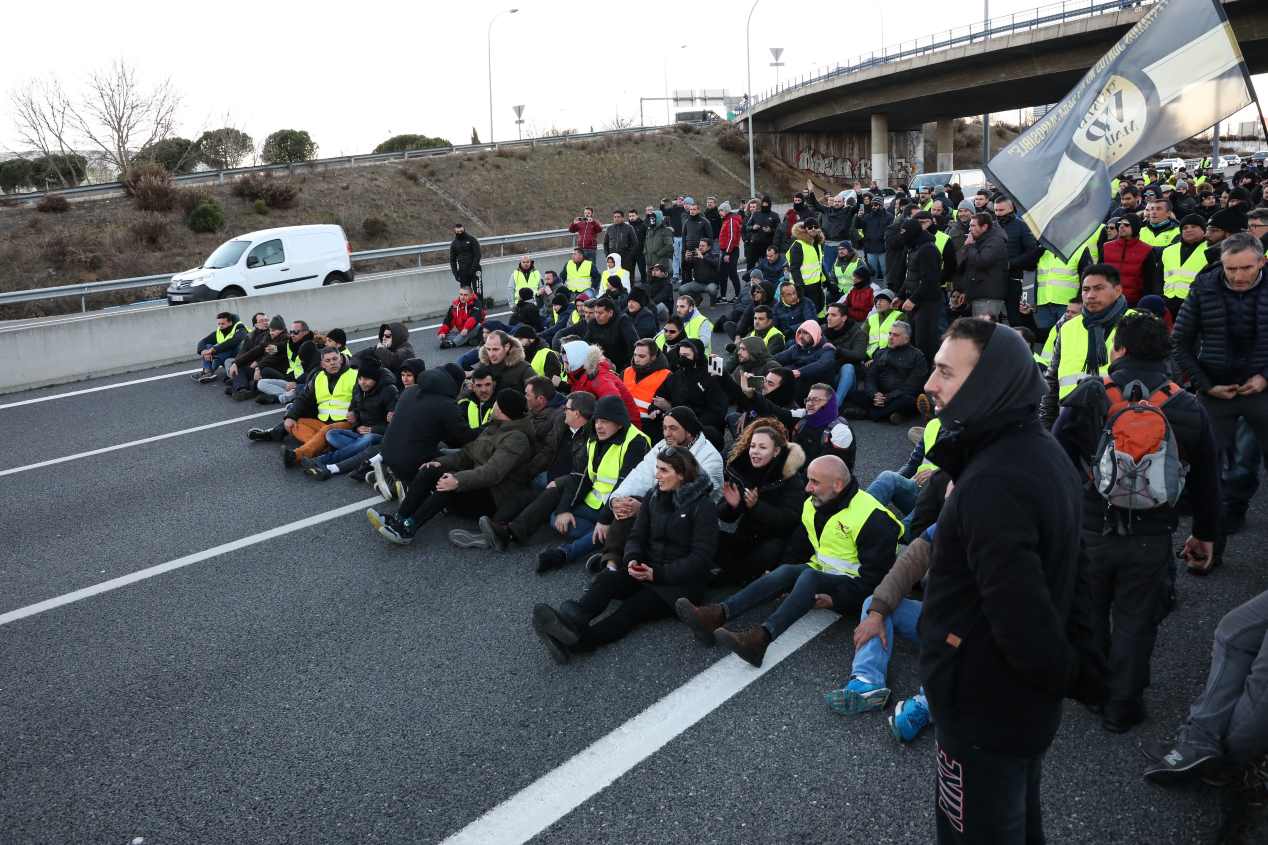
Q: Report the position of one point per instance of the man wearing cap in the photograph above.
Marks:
(1225, 222)
(1182, 261)
(474, 481)
(613, 451)
(883, 316)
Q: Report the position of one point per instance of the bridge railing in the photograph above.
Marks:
(1004, 25)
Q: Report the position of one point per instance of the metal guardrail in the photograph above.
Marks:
(1017, 22)
(83, 291)
(221, 176)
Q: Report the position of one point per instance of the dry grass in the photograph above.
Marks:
(521, 190)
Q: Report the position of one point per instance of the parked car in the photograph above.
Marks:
(1230, 160)
(968, 180)
(268, 261)
(1169, 164)
(1259, 157)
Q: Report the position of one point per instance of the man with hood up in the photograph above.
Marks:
(642, 313)
(394, 348)
(922, 287)
(691, 384)
(808, 356)
(739, 321)
(759, 233)
(658, 244)
(752, 358)
(996, 655)
(589, 371)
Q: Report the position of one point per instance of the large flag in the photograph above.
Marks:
(1176, 73)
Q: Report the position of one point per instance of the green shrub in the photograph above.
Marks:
(58, 171)
(287, 146)
(374, 228)
(53, 204)
(175, 155)
(206, 217)
(224, 148)
(261, 207)
(150, 186)
(187, 199)
(401, 143)
(15, 173)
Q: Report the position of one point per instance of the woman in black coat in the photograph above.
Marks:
(762, 497)
(667, 557)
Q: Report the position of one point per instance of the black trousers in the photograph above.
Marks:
(983, 798)
(925, 319)
(730, 272)
(618, 534)
(243, 381)
(534, 515)
(742, 558)
(814, 293)
(423, 501)
(1128, 581)
(639, 604)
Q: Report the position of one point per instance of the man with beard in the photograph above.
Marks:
(647, 372)
(691, 384)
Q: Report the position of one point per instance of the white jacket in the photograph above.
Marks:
(643, 477)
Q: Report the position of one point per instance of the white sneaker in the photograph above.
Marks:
(380, 482)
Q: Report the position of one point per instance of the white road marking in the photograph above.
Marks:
(180, 563)
(559, 792)
(141, 442)
(82, 391)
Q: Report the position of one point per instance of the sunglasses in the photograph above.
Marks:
(296, 331)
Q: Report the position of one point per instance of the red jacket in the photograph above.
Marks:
(858, 303)
(463, 316)
(605, 383)
(1129, 256)
(587, 232)
(732, 233)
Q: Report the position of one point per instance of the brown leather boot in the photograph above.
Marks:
(749, 644)
(702, 621)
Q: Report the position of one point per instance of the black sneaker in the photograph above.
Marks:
(551, 559)
(319, 473)
(260, 434)
(205, 377)
(265, 399)
(243, 395)
(547, 625)
(595, 563)
(1177, 764)
(397, 530)
(498, 535)
(1233, 521)
(288, 457)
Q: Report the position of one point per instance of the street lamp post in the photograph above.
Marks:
(489, 49)
(748, 97)
(986, 117)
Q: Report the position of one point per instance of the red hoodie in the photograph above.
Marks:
(464, 315)
(730, 236)
(605, 383)
(587, 232)
(1128, 256)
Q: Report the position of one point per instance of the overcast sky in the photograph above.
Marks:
(352, 75)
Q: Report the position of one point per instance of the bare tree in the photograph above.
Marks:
(619, 122)
(43, 117)
(119, 117)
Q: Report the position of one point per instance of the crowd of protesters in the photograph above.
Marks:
(1068, 414)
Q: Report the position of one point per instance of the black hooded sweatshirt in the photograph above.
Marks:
(995, 654)
(425, 416)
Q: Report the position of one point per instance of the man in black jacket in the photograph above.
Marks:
(1130, 562)
(425, 416)
(994, 653)
(922, 287)
(219, 347)
(871, 224)
(612, 332)
(1220, 342)
(1023, 254)
(620, 238)
(759, 232)
(464, 256)
(891, 382)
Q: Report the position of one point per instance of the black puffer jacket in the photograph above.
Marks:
(780, 496)
(676, 534)
(1200, 342)
(923, 276)
(698, 389)
(372, 408)
(426, 415)
(398, 351)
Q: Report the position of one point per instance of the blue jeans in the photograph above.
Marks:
(346, 442)
(1241, 468)
(876, 263)
(871, 662)
(892, 488)
(469, 359)
(677, 258)
(580, 540)
(845, 382)
(220, 360)
(1046, 316)
(799, 580)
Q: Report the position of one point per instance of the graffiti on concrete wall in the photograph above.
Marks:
(849, 157)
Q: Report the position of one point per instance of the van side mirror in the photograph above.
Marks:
(253, 261)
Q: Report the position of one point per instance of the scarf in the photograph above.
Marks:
(823, 417)
(1098, 328)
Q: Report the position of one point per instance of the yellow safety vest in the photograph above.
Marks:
(296, 366)
(835, 551)
(845, 278)
(221, 337)
(474, 418)
(660, 340)
(332, 406)
(1199, 181)
(928, 205)
(1178, 275)
(811, 262)
(605, 478)
(539, 360)
(1057, 282)
(1114, 183)
(1166, 238)
(930, 437)
(878, 330)
(346, 352)
(766, 338)
(940, 240)
(692, 326)
(1049, 346)
(577, 276)
(576, 317)
(1074, 354)
(622, 274)
(532, 281)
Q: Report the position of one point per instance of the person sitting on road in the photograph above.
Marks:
(219, 347)
(849, 341)
(704, 268)
(671, 334)
(588, 370)
(462, 321)
(303, 361)
(612, 331)
(426, 415)
(845, 546)
(644, 317)
(322, 405)
(739, 321)
(411, 369)
(810, 358)
(264, 359)
(503, 356)
(667, 559)
(886, 611)
(792, 310)
(822, 430)
(891, 382)
(612, 453)
(473, 481)
(477, 404)
(373, 400)
(762, 499)
(393, 348)
(691, 384)
(258, 336)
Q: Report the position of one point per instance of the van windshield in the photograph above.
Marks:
(930, 180)
(226, 255)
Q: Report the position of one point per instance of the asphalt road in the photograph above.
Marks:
(323, 686)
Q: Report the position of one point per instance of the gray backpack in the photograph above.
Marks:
(1137, 465)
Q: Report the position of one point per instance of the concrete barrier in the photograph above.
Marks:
(125, 341)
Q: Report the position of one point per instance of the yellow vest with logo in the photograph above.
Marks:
(222, 336)
(532, 281)
(878, 330)
(835, 551)
(474, 418)
(1074, 354)
(332, 406)
(605, 478)
(929, 438)
(1057, 282)
(1166, 238)
(1178, 275)
(577, 276)
(811, 262)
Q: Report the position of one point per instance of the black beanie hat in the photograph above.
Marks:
(524, 332)
(277, 322)
(456, 373)
(338, 336)
(369, 367)
(639, 295)
(1231, 220)
(414, 365)
(1193, 220)
(687, 419)
(613, 409)
(512, 403)
(560, 298)
(526, 294)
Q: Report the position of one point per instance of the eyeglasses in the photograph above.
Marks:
(297, 331)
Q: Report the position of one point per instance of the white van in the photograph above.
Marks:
(968, 180)
(268, 261)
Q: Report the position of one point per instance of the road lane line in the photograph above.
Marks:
(559, 792)
(81, 392)
(180, 563)
(141, 442)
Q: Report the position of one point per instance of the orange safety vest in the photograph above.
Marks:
(644, 391)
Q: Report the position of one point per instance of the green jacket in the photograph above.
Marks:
(659, 246)
(498, 459)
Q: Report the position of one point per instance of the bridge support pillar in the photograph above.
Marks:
(880, 149)
(946, 145)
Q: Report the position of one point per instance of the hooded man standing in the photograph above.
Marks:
(994, 655)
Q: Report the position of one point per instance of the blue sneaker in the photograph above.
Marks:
(911, 715)
(856, 697)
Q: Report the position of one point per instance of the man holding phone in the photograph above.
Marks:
(587, 230)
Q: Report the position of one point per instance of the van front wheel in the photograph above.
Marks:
(231, 291)
(335, 278)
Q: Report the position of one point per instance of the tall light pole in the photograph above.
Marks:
(748, 97)
(489, 47)
(986, 117)
(775, 53)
